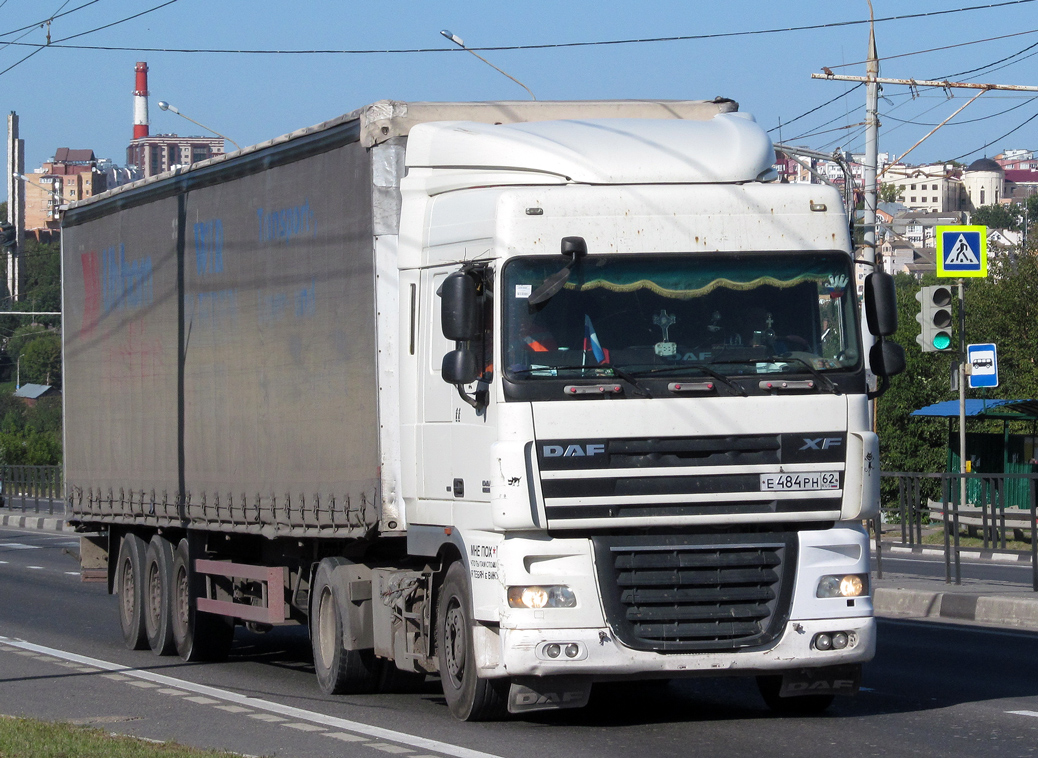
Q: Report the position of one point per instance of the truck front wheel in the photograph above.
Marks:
(339, 671)
(469, 697)
(129, 585)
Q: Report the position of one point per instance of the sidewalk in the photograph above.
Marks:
(29, 520)
(904, 596)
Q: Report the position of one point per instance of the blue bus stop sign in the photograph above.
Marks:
(983, 362)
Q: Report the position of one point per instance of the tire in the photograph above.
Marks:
(339, 671)
(803, 705)
(198, 636)
(469, 697)
(158, 591)
(129, 587)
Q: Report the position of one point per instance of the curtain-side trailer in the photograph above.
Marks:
(525, 395)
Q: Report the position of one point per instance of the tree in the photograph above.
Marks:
(891, 193)
(998, 216)
(41, 361)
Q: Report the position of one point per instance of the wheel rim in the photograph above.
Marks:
(181, 603)
(128, 593)
(326, 628)
(154, 595)
(454, 642)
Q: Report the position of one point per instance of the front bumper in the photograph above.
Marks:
(525, 652)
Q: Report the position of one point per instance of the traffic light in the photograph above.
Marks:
(8, 235)
(935, 318)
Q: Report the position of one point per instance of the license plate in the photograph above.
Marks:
(815, 480)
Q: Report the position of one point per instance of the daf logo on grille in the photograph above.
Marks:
(573, 451)
(821, 443)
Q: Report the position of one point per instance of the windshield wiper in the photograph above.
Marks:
(627, 377)
(712, 373)
(822, 378)
(814, 372)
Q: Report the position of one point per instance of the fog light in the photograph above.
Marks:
(536, 597)
(823, 642)
(572, 650)
(846, 585)
(552, 651)
(840, 640)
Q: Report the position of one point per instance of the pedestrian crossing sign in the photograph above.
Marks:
(962, 251)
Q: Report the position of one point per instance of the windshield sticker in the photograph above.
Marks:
(835, 286)
(523, 291)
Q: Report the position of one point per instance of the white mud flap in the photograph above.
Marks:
(831, 680)
(548, 693)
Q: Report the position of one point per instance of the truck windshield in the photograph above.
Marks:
(682, 314)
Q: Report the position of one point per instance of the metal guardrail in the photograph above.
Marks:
(32, 489)
(996, 505)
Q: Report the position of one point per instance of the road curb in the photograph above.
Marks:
(48, 523)
(1016, 612)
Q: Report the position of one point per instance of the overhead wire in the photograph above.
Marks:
(557, 45)
(52, 17)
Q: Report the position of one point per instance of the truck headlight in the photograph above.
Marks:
(843, 585)
(538, 596)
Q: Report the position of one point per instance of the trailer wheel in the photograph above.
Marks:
(469, 697)
(339, 671)
(803, 705)
(129, 586)
(198, 636)
(158, 590)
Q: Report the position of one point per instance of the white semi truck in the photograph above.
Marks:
(525, 395)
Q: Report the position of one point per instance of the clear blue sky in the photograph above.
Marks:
(82, 98)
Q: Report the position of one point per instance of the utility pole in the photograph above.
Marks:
(871, 147)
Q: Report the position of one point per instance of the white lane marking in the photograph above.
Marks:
(232, 708)
(72, 573)
(268, 717)
(257, 703)
(35, 568)
(19, 546)
(304, 727)
(200, 699)
(3, 562)
(346, 736)
(1034, 714)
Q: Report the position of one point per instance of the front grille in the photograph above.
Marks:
(597, 482)
(690, 593)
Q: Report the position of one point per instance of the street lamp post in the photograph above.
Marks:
(163, 105)
(458, 41)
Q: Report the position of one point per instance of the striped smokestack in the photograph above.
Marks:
(140, 102)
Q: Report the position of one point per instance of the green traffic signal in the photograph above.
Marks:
(935, 318)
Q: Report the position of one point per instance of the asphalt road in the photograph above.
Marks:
(933, 690)
(994, 572)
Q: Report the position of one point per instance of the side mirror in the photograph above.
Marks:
(459, 367)
(887, 359)
(459, 308)
(880, 304)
